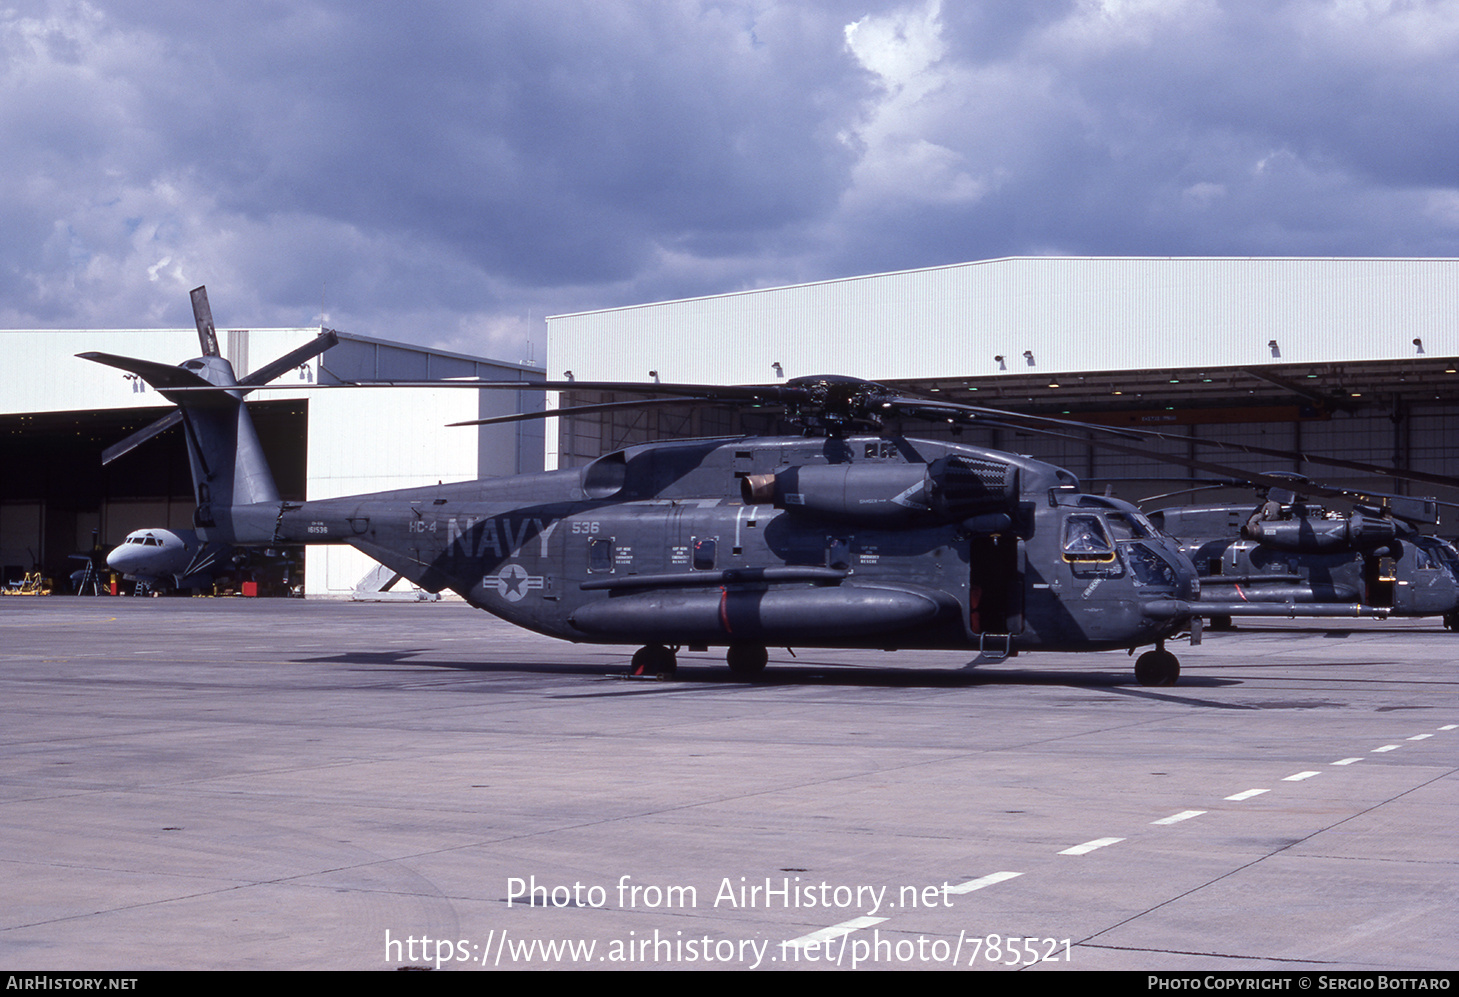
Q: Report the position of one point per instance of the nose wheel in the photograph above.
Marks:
(1158, 667)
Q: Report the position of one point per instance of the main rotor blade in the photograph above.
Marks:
(934, 411)
(1191, 490)
(1132, 433)
(1235, 475)
(708, 392)
(1268, 481)
(1294, 455)
(585, 409)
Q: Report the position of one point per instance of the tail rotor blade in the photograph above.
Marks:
(141, 436)
(203, 315)
(292, 359)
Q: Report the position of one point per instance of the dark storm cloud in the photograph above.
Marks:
(441, 172)
(465, 153)
(547, 148)
(1176, 128)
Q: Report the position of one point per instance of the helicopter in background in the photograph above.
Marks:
(1290, 557)
(847, 535)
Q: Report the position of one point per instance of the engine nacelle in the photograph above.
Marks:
(1311, 535)
(948, 490)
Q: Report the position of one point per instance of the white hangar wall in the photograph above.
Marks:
(1185, 339)
(358, 440)
(380, 439)
(42, 373)
(1073, 315)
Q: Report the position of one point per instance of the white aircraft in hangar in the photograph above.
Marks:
(157, 558)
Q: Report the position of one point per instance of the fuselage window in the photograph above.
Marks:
(600, 555)
(704, 553)
(838, 553)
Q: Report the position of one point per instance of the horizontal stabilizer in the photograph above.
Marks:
(416, 571)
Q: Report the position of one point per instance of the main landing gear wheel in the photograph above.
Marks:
(1451, 620)
(653, 659)
(1158, 667)
(746, 660)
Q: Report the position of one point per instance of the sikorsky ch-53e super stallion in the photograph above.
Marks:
(1292, 557)
(849, 535)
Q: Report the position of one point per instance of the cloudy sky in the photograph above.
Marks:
(450, 173)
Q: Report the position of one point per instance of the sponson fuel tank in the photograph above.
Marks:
(768, 616)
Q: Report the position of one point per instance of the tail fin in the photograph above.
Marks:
(229, 469)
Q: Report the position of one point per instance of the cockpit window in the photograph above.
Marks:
(1129, 526)
(1149, 567)
(1437, 549)
(1085, 540)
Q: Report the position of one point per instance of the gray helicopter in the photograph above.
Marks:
(1290, 556)
(837, 538)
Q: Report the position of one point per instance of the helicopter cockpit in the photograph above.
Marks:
(1109, 537)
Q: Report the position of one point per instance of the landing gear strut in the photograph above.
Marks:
(654, 659)
(1157, 667)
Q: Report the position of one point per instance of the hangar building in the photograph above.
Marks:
(1357, 358)
(57, 414)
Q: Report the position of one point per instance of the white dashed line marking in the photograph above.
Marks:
(1300, 776)
(978, 884)
(1420, 737)
(1386, 747)
(1177, 818)
(1090, 846)
(1247, 794)
(1346, 761)
(836, 931)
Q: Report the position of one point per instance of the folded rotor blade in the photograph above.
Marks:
(141, 436)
